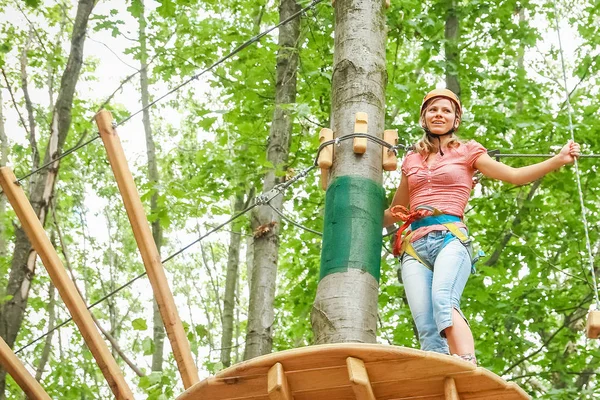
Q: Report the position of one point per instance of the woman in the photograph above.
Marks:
(435, 256)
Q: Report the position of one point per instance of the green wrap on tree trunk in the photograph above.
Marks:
(353, 225)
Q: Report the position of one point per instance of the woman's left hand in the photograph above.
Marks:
(569, 152)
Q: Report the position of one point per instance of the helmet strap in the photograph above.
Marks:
(432, 136)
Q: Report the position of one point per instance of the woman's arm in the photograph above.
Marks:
(400, 198)
(520, 176)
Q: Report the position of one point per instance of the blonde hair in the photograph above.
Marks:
(425, 146)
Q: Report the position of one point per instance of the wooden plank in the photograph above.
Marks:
(592, 327)
(278, 387)
(247, 387)
(16, 369)
(148, 250)
(65, 286)
(480, 380)
(450, 391)
(321, 356)
(359, 379)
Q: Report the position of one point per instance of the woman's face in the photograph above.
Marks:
(440, 116)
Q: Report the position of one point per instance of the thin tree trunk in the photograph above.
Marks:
(265, 223)
(159, 330)
(345, 307)
(233, 262)
(48, 341)
(35, 156)
(42, 188)
(451, 48)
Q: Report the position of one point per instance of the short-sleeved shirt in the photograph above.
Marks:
(445, 185)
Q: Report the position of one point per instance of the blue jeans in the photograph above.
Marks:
(432, 295)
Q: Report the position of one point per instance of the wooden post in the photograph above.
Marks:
(359, 379)
(450, 392)
(277, 384)
(17, 370)
(148, 250)
(66, 288)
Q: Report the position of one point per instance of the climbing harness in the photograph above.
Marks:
(423, 216)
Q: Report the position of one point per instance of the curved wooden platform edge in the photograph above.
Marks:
(354, 371)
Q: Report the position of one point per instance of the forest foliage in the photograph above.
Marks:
(528, 302)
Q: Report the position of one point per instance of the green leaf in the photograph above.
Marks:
(139, 324)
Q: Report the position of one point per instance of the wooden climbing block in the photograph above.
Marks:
(390, 161)
(325, 156)
(359, 379)
(592, 327)
(360, 126)
(278, 387)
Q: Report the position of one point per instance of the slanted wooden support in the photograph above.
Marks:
(450, 392)
(17, 370)
(148, 250)
(278, 387)
(592, 328)
(66, 288)
(359, 379)
(360, 126)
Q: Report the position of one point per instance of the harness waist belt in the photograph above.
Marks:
(434, 220)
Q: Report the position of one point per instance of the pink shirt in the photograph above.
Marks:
(445, 185)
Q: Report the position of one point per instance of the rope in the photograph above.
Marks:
(577, 173)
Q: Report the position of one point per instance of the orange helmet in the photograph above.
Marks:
(445, 93)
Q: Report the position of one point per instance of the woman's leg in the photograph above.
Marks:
(452, 269)
(417, 280)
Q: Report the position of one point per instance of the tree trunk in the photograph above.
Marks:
(35, 157)
(345, 307)
(159, 330)
(264, 219)
(451, 48)
(42, 188)
(233, 262)
(48, 341)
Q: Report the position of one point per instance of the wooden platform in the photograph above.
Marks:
(354, 371)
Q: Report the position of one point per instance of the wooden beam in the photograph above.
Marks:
(450, 391)
(65, 286)
(148, 250)
(277, 386)
(359, 379)
(17, 370)
(592, 327)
